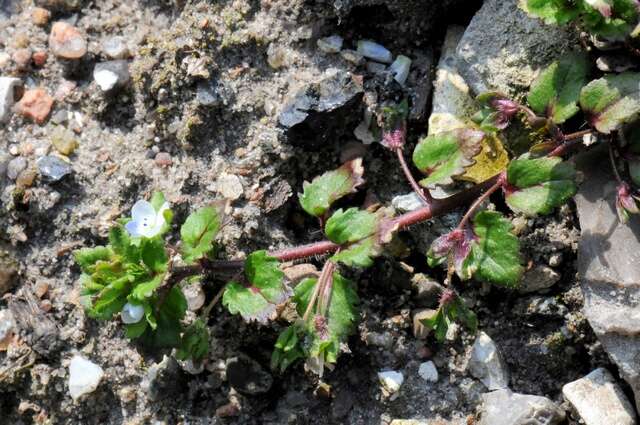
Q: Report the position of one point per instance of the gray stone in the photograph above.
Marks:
(320, 111)
(111, 74)
(8, 87)
(400, 68)
(352, 56)
(374, 51)
(115, 48)
(537, 279)
(608, 258)
(53, 168)
(331, 44)
(408, 202)
(544, 306)
(246, 375)
(163, 379)
(428, 371)
(426, 290)
(15, 166)
(391, 380)
(504, 407)
(599, 400)
(487, 364)
(503, 48)
(452, 101)
(211, 93)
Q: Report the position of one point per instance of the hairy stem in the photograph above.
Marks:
(498, 184)
(325, 275)
(577, 135)
(423, 194)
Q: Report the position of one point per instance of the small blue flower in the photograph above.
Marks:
(145, 220)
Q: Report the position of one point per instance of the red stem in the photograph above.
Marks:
(423, 194)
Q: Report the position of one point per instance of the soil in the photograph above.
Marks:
(237, 135)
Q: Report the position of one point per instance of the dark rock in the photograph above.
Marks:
(427, 291)
(608, 258)
(246, 376)
(53, 168)
(164, 379)
(40, 332)
(322, 111)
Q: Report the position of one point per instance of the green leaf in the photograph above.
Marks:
(172, 311)
(194, 343)
(111, 299)
(632, 135)
(154, 255)
(362, 234)
(264, 291)
(157, 200)
(87, 257)
(324, 190)
(495, 252)
(445, 155)
(326, 334)
(146, 289)
(455, 310)
(135, 330)
(555, 93)
(611, 101)
(121, 243)
(287, 349)
(198, 233)
(537, 186)
(557, 12)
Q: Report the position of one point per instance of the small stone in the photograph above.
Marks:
(228, 410)
(428, 372)
(66, 41)
(39, 58)
(208, 93)
(64, 140)
(40, 16)
(400, 69)
(230, 186)
(599, 400)
(408, 202)
(427, 291)
(295, 273)
(377, 339)
(8, 86)
(420, 331)
(25, 179)
(163, 159)
(391, 380)
(15, 167)
(115, 48)
(539, 278)
(84, 376)
(163, 379)
(278, 56)
(374, 51)
(53, 168)
(332, 44)
(41, 289)
(7, 328)
(194, 295)
(22, 58)
(111, 74)
(486, 363)
(352, 56)
(8, 272)
(504, 407)
(246, 376)
(376, 68)
(35, 104)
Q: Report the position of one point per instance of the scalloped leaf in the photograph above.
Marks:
(537, 186)
(557, 12)
(287, 349)
(445, 155)
(492, 160)
(264, 291)
(198, 233)
(194, 343)
(325, 335)
(611, 101)
(455, 310)
(556, 91)
(324, 190)
(487, 251)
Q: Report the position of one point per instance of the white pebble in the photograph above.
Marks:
(84, 376)
(391, 380)
(132, 313)
(375, 51)
(332, 44)
(7, 98)
(400, 69)
(428, 372)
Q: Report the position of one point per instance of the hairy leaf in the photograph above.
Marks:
(496, 111)
(121, 243)
(455, 310)
(351, 225)
(492, 160)
(326, 334)
(324, 190)
(154, 255)
(611, 101)
(537, 186)
(87, 257)
(194, 343)
(198, 233)
(167, 332)
(552, 11)
(264, 291)
(555, 93)
(287, 349)
(445, 155)
(147, 288)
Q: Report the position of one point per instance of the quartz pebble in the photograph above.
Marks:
(400, 69)
(332, 44)
(8, 87)
(374, 51)
(115, 48)
(66, 41)
(428, 372)
(487, 364)
(15, 166)
(391, 380)
(35, 104)
(53, 168)
(194, 295)
(111, 74)
(84, 376)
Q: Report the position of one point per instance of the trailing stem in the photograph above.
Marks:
(423, 194)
